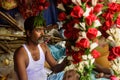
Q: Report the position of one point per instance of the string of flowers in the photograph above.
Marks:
(81, 24)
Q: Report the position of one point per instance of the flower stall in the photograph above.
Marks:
(91, 29)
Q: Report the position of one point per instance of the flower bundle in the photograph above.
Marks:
(81, 24)
(32, 7)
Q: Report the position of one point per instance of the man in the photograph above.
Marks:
(30, 57)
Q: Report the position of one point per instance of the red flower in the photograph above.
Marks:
(114, 52)
(61, 16)
(83, 43)
(111, 57)
(113, 7)
(107, 16)
(77, 56)
(77, 12)
(92, 33)
(95, 53)
(71, 34)
(106, 26)
(98, 8)
(41, 8)
(90, 19)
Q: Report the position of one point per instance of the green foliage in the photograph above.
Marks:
(39, 21)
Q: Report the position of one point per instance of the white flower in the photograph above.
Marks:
(76, 26)
(92, 61)
(99, 13)
(87, 11)
(69, 67)
(93, 46)
(94, 2)
(86, 63)
(80, 67)
(84, 57)
(97, 23)
(114, 35)
(90, 56)
(83, 25)
(112, 0)
(84, 34)
(99, 33)
(115, 65)
(60, 6)
(77, 2)
(69, 58)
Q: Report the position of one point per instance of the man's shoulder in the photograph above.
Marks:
(44, 47)
(19, 51)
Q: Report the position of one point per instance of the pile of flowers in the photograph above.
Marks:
(84, 22)
(32, 7)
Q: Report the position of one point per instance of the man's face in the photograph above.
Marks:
(37, 35)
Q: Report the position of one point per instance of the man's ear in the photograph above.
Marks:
(28, 33)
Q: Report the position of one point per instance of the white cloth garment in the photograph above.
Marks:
(35, 69)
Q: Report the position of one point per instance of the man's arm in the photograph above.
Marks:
(55, 67)
(19, 64)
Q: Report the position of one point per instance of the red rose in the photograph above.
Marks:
(116, 51)
(109, 23)
(77, 12)
(90, 19)
(118, 8)
(104, 27)
(95, 53)
(41, 7)
(113, 7)
(71, 34)
(77, 56)
(107, 16)
(92, 33)
(111, 57)
(61, 16)
(98, 8)
(83, 43)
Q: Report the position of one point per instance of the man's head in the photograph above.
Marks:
(32, 22)
(71, 75)
(34, 31)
